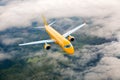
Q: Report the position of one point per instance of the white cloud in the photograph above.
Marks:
(109, 49)
(104, 14)
(108, 68)
(4, 56)
(8, 41)
(22, 12)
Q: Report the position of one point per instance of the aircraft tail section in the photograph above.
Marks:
(44, 20)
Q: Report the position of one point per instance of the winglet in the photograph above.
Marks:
(44, 20)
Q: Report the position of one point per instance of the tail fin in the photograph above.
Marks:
(44, 20)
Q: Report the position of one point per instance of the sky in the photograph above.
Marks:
(105, 15)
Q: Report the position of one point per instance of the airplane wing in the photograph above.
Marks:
(38, 42)
(73, 30)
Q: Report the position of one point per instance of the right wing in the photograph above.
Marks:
(73, 30)
(38, 42)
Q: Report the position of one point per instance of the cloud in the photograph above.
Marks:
(90, 63)
(4, 56)
(109, 49)
(108, 68)
(105, 19)
(8, 41)
(4, 2)
(20, 13)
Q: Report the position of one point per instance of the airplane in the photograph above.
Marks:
(64, 41)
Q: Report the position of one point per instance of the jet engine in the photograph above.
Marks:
(47, 46)
(71, 38)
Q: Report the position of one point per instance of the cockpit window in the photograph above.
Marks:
(67, 46)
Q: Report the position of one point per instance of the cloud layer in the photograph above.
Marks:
(4, 56)
(20, 13)
(105, 70)
(105, 18)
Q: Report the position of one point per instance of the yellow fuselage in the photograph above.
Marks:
(60, 40)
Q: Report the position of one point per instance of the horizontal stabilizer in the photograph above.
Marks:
(52, 23)
(40, 27)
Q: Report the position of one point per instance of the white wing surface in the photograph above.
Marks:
(37, 42)
(73, 30)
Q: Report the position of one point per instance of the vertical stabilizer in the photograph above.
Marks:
(44, 20)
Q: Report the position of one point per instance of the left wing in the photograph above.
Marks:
(73, 30)
(38, 42)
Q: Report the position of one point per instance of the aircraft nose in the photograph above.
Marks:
(71, 51)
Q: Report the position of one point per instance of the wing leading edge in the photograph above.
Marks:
(73, 30)
(38, 42)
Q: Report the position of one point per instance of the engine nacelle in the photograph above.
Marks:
(47, 46)
(71, 38)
